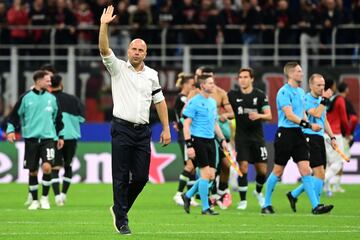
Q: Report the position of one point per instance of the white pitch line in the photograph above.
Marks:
(48, 222)
(47, 233)
(252, 232)
(49, 211)
(186, 233)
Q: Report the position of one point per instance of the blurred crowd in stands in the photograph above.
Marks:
(255, 20)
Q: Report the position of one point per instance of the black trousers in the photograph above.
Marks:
(130, 164)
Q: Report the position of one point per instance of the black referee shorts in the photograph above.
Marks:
(251, 151)
(64, 156)
(205, 152)
(290, 142)
(36, 149)
(317, 150)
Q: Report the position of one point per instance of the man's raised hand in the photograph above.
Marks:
(107, 15)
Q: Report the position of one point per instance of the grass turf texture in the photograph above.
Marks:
(155, 216)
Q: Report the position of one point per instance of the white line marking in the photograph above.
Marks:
(189, 232)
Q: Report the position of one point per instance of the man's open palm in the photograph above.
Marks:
(107, 15)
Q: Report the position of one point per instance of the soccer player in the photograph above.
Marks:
(315, 106)
(343, 91)
(338, 120)
(72, 115)
(251, 107)
(290, 140)
(186, 83)
(199, 132)
(48, 68)
(37, 112)
(220, 191)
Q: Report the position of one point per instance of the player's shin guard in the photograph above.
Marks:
(46, 182)
(67, 179)
(55, 181)
(184, 178)
(243, 186)
(33, 187)
(309, 189)
(260, 180)
(270, 186)
(204, 192)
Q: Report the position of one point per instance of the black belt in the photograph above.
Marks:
(39, 140)
(129, 124)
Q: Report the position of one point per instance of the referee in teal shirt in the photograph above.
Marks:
(290, 141)
(199, 132)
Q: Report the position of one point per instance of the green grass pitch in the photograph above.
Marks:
(155, 216)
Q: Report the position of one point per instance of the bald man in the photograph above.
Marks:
(134, 86)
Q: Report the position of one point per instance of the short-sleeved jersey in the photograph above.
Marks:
(313, 102)
(242, 104)
(293, 97)
(203, 113)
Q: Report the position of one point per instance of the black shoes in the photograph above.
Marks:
(267, 210)
(321, 209)
(209, 212)
(292, 201)
(125, 230)
(122, 229)
(186, 203)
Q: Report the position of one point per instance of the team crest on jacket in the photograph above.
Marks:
(255, 101)
(49, 108)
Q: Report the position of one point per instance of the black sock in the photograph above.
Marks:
(55, 181)
(260, 180)
(192, 180)
(184, 178)
(33, 187)
(223, 186)
(243, 186)
(67, 179)
(213, 189)
(46, 182)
